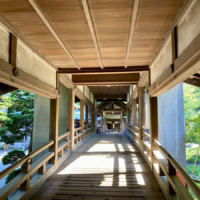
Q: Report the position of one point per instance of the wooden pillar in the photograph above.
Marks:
(86, 113)
(134, 112)
(53, 129)
(82, 115)
(70, 115)
(141, 96)
(153, 108)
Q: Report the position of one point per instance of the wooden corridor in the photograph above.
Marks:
(105, 167)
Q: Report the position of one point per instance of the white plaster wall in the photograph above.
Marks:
(34, 66)
(189, 27)
(91, 97)
(87, 92)
(80, 88)
(162, 62)
(4, 44)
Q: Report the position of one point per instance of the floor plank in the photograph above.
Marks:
(106, 167)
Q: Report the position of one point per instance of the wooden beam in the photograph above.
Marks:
(110, 96)
(184, 67)
(25, 81)
(107, 70)
(113, 119)
(112, 109)
(177, 20)
(52, 30)
(133, 21)
(4, 89)
(106, 79)
(29, 46)
(193, 81)
(78, 93)
(13, 50)
(92, 30)
(144, 79)
(66, 81)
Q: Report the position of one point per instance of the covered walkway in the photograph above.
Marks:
(105, 167)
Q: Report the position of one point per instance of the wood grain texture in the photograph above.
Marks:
(104, 167)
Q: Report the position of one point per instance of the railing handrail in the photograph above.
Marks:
(64, 135)
(146, 135)
(192, 185)
(24, 159)
(76, 129)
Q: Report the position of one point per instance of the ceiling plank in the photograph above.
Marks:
(106, 79)
(92, 31)
(52, 30)
(133, 21)
(107, 70)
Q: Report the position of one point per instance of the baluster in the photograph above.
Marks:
(26, 168)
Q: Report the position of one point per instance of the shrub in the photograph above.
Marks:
(12, 157)
(12, 175)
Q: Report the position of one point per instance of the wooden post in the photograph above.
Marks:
(26, 168)
(70, 115)
(141, 98)
(82, 115)
(171, 171)
(134, 112)
(13, 50)
(53, 129)
(153, 108)
(86, 113)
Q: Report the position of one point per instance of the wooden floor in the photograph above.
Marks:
(105, 167)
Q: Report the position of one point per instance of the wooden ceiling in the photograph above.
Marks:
(111, 92)
(92, 33)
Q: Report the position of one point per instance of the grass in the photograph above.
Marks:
(189, 168)
(190, 158)
(194, 197)
(191, 155)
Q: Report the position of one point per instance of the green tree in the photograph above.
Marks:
(19, 117)
(192, 112)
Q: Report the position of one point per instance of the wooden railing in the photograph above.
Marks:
(165, 167)
(34, 173)
(23, 180)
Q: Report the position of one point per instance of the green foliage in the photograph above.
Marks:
(12, 175)
(191, 155)
(189, 169)
(192, 113)
(19, 117)
(194, 197)
(12, 157)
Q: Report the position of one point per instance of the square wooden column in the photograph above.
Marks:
(53, 129)
(86, 113)
(134, 112)
(153, 108)
(82, 115)
(70, 115)
(141, 99)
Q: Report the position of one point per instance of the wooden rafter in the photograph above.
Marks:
(133, 21)
(107, 70)
(92, 31)
(52, 30)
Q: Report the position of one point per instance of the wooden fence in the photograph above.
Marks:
(33, 174)
(164, 166)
